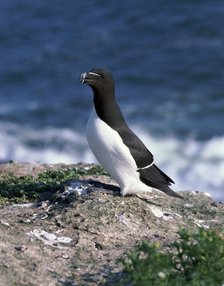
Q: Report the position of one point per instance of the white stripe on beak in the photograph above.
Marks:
(82, 77)
(93, 73)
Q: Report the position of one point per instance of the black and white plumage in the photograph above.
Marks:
(116, 147)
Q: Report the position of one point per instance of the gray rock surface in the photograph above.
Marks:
(76, 235)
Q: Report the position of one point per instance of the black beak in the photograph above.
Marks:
(88, 77)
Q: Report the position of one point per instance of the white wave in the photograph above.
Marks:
(49, 145)
(193, 165)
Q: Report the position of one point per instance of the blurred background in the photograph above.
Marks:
(167, 58)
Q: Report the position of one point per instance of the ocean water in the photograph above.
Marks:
(168, 63)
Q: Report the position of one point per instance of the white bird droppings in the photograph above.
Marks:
(48, 238)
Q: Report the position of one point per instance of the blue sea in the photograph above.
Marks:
(167, 58)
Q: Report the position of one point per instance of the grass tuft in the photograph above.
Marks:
(27, 188)
(197, 259)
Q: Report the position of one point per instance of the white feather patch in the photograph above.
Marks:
(114, 155)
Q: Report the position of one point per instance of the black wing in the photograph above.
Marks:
(143, 157)
(151, 176)
(156, 178)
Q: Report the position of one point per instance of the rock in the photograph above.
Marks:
(75, 234)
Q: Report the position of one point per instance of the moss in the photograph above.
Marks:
(22, 189)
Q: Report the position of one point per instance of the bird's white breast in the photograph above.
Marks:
(113, 154)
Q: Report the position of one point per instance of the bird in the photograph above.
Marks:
(116, 147)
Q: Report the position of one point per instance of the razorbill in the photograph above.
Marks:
(115, 146)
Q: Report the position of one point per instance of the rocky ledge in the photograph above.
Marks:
(75, 230)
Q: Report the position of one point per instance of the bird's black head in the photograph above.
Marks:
(100, 80)
(102, 83)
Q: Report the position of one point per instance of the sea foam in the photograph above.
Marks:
(192, 164)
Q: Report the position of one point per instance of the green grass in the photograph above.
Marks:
(27, 188)
(196, 260)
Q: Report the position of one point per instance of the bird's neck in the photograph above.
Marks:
(108, 110)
